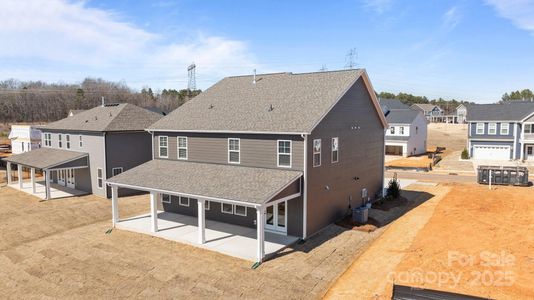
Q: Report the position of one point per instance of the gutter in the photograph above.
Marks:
(305, 191)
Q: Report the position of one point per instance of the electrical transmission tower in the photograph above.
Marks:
(350, 59)
(192, 84)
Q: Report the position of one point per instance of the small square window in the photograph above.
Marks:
(116, 171)
(80, 142)
(241, 210)
(184, 201)
(317, 152)
(165, 198)
(227, 208)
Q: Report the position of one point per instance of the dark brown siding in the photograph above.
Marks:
(361, 140)
(257, 150)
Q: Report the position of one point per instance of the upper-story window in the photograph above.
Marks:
(505, 128)
(80, 141)
(392, 130)
(182, 147)
(480, 128)
(492, 128)
(48, 139)
(529, 128)
(234, 151)
(60, 141)
(164, 146)
(317, 153)
(335, 150)
(284, 154)
(67, 140)
(401, 130)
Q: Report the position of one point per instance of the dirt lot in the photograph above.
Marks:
(59, 249)
(420, 161)
(448, 243)
(451, 136)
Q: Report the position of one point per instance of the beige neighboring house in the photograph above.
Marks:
(266, 159)
(24, 138)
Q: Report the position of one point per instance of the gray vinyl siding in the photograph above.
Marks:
(256, 150)
(361, 159)
(93, 144)
(126, 150)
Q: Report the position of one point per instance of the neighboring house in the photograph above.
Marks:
(24, 138)
(430, 111)
(284, 153)
(501, 131)
(82, 151)
(407, 132)
(461, 114)
(74, 112)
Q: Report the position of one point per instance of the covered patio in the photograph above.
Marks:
(207, 184)
(48, 160)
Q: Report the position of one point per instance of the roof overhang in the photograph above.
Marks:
(50, 159)
(248, 186)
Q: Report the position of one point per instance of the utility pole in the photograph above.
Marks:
(350, 59)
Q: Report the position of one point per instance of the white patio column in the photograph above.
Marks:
(114, 205)
(34, 190)
(260, 236)
(154, 210)
(522, 155)
(201, 204)
(47, 185)
(8, 173)
(21, 181)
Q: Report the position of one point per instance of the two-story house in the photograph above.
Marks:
(407, 132)
(430, 111)
(24, 138)
(501, 131)
(461, 114)
(81, 151)
(282, 154)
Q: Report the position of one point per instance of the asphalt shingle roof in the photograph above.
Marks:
(112, 117)
(244, 184)
(44, 158)
(425, 106)
(282, 102)
(393, 104)
(513, 111)
(401, 116)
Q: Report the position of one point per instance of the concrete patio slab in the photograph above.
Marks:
(56, 190)
(233, 240)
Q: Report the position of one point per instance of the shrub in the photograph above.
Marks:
(465, 154)
(393, 191)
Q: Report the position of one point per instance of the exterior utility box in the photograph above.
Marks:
(503, 175)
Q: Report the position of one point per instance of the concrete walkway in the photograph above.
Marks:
(56, 190)
(233, 240)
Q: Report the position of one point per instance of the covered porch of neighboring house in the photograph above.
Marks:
(61, 164)
(239, 211)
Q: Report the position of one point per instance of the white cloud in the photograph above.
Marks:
(379, 6)
(59, 35)
(451, 18)
(520, 12)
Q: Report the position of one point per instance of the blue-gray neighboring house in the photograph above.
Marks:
(501, 131)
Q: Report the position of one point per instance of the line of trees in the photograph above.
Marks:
(524, 95)
(448, 106)
(37, 101)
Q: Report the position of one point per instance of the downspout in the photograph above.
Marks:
(305, 187)
(383, 164)
(105, 171)
(152, 142)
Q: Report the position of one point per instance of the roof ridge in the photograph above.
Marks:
(293, 73)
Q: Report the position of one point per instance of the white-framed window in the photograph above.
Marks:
(164, 146)
(165, 198)
(206, 205)
(234, 150)
(184, 201)
(116, 171)
(505, 128)
(80, 141)
(182, 147)
(401, 130)
(492, 128)
(99, 178)
(48, 139)
(529, 128)
(480, 128)
(392, 130)
(284, 153)
(60, 140)
(227, 208)
(240, 210)
(67, 140)
(335, 150)
(317, 152)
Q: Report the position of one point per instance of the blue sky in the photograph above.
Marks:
(471, 50)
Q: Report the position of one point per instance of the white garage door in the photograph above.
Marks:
(491, 152)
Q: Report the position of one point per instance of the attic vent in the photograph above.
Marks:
(110, 114)
(211, 106)
(271, 108)
(112, 104)
(96, 118)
